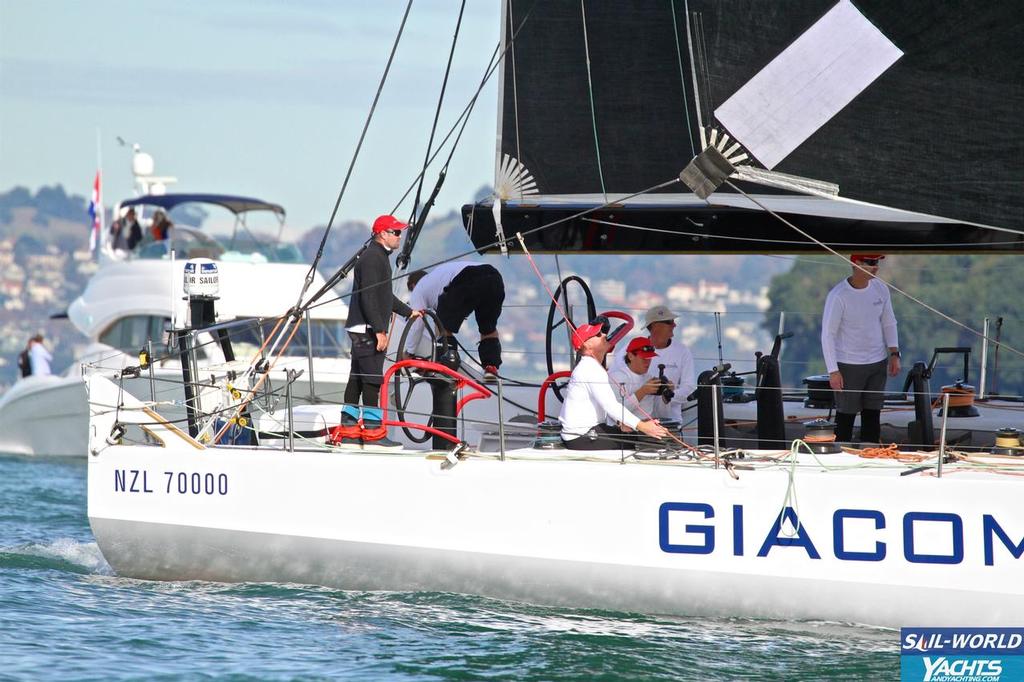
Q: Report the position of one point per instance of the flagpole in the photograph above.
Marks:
(99, 193)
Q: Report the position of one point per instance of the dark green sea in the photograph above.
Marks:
(65, 615)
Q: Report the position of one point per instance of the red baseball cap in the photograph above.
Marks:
(858, 257)
(642, 348)
(388, 222)
(583, 333)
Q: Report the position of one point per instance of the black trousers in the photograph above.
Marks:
(367, 371)
(603, 437)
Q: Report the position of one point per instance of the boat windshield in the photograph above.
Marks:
(327, 335)
(245, 248)
(186, 244)
(189, 243)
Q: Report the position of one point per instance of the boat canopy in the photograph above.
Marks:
(232, 203)
(899, 103)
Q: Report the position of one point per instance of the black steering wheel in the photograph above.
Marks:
(562, 293)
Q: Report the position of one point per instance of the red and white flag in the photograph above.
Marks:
(96, 213)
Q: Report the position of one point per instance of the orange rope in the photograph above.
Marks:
(891, 451)
(958, 397)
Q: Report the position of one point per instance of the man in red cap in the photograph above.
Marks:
(369, 319)
(628, 375)
(860, 346)
(590, 401)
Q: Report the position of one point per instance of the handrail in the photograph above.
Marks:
(461, 381)
(541, 398)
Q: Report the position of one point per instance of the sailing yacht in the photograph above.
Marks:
(637, 162)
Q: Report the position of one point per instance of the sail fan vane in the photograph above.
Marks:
(513, 180)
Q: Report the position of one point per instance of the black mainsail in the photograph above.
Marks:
(601, 100)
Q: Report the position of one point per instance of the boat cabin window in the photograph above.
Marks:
(129, 334)
(327, 338)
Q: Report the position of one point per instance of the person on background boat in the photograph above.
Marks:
(39, 357)
(369, 319)
(590, 402)
(160, 229)
(860, 346)
(454, 290)
(628, 375)
(674, 367)
(126, 233)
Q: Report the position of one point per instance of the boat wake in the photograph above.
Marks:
(63, 554)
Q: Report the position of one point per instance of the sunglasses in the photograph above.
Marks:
(869, 261)
(397, 233)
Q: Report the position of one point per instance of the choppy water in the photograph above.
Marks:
(64, 615)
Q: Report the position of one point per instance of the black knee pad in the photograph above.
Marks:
(490, 351)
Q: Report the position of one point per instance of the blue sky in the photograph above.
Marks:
(258, 97)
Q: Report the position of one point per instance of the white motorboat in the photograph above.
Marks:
(131, 300)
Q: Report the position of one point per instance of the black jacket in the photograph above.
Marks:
(372, 303)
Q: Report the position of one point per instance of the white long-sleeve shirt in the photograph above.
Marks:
(625, 382)
(858, 326)
(590, 400)
(40, 359)
(678, 363)
(425, 295)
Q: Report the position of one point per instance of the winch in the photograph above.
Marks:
(820, 437)
(1007, 442)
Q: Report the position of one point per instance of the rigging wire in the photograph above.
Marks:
(593, 111)
(883, 281)
(709, 235)
(362, 136)
(515, 99)
(495, 62)
(437, 111)
(682, 78)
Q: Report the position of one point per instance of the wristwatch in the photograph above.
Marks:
(894, 354)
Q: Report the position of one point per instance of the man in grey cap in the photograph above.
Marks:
(674, 362)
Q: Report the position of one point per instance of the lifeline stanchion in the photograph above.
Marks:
(309, 357)
(984, 360)
(714, 417)
(149, 362)
(942, 436)
(289, 377)
(501, 420)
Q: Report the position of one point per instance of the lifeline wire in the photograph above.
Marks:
(355, 155)
(858, 266)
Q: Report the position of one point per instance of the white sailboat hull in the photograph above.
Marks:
(906, 550)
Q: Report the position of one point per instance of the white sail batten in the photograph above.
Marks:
(814, 78)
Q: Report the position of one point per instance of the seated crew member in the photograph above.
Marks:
(628, 375)
(454, 290)
(674, 361)
(590, 399)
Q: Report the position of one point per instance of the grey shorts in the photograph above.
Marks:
(863, 387)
